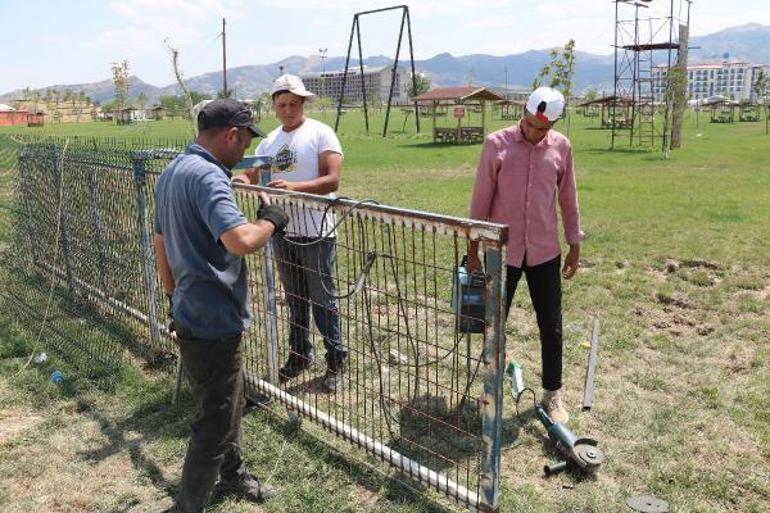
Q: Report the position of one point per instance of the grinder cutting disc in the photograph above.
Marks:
(589, 456)
(647, 504)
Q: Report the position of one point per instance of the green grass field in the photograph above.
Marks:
(675, 266)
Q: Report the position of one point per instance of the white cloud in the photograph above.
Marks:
(420, 8)
(491, 22)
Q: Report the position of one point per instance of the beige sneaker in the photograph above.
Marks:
(551, 401)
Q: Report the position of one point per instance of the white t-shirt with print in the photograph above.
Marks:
(295, 159)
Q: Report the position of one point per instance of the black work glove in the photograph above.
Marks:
(170, 318)
(275, 215)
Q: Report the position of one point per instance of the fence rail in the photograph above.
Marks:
(418, 394)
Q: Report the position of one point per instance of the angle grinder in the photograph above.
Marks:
(580, 452)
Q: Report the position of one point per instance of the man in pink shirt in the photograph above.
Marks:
(523, 169)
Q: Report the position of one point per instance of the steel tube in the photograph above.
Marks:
(435, 479)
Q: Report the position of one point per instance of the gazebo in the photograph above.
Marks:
(463, 101)
(125, 116)
(723, 111)
(748, 112)
(158, 112)
(622, 110)
(511, 110)
(36, 119)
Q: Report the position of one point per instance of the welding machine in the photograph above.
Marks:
(468, 299)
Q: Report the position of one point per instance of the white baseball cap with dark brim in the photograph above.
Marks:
(292, 84)
(546, 104)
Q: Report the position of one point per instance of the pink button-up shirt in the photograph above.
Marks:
(516, 185)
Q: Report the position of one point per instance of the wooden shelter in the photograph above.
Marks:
(36, 119)
(748, 112)
(125, 116)
(157, 113)
(723, 112)
(622, 108)
(511, 110)
(461, 102)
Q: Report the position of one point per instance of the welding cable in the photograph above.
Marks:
(518, 400)
(320, 237)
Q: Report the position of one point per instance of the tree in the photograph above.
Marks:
(559, 73)
(422, 85)
(676, 96)
(592, 94)
(761, 84)
(141, 100)
(120, 80)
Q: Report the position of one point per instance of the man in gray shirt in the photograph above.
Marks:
(201, 237)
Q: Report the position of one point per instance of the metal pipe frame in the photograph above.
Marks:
(356, 29)
(435, 479)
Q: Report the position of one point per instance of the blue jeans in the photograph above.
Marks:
(308, 276)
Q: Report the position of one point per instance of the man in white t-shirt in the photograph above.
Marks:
(307, 157)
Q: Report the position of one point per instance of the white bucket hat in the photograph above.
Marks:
(546, 104)
(292, 84)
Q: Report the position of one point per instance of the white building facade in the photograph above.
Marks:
(376, 79)
(732, 79)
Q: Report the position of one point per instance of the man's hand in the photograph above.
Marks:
(473, 264)
(571, 262)
(241, 179)
(275, 215)
(282, 184)
(250, 176)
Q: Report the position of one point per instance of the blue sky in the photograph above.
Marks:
(47, 42)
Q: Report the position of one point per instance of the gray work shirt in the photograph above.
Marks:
(194, 206)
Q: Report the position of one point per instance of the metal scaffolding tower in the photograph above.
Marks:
(647, 45)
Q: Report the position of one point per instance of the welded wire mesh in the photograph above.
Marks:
(416, 393)
(411, 381)
(74, 275)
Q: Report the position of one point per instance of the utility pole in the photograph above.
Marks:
(224, 61)
(506, 81)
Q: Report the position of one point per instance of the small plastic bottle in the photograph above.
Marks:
(57, 377)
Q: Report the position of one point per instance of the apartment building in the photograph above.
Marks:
(732, 79)
(376, 79)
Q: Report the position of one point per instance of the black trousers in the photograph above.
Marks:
(544, 281)
(213, 367)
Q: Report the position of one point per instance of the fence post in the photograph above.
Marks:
(494, 364)
(265, 176)
(58, 180)
(99, 231)
(146, 253)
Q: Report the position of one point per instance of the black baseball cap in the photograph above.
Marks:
(225, 113)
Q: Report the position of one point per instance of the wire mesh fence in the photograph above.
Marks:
(369, 285)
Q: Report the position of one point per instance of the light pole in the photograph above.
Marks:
(322, 53)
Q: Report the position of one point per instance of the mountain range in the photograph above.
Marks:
(750, 43)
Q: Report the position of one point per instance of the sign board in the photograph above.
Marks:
(459, 112)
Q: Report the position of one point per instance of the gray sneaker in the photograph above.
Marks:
(249, 488)
(332, 381)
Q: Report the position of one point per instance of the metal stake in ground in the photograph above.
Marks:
(588, 389)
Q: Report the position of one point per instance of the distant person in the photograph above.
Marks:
(307, 157)
(200, 239)
(522, 171)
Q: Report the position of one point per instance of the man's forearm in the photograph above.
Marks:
(320, 185)
(164, 269)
